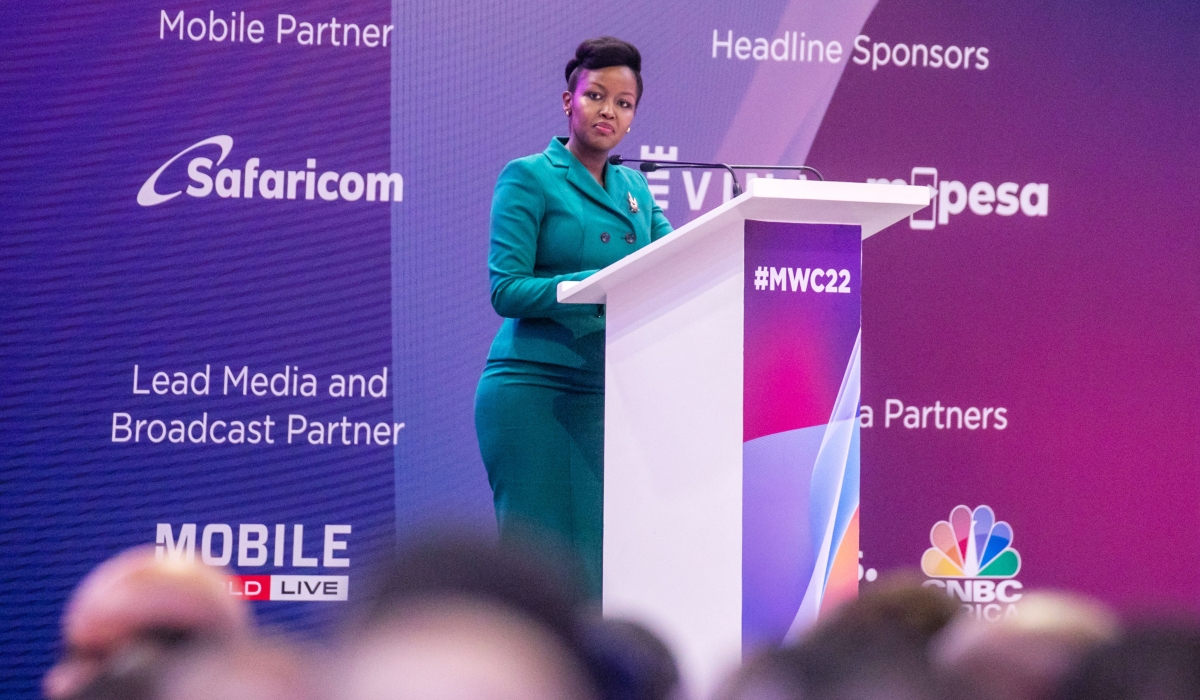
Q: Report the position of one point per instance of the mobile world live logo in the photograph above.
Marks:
(276, 184)
(950, 197)
(972, 558)
(253, 546)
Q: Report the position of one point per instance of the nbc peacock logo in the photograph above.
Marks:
(971, 544)
(973, 559)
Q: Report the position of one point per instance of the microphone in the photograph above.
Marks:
(649, 166)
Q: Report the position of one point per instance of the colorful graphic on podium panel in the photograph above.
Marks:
(800, 406)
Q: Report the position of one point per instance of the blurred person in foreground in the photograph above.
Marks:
(248, 671)
(458, 618)
(204, 670)
(870, 648)
(134, 604)
(630, 662)
(1149, 662)
(1025, 656)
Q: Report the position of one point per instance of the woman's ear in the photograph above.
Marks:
(567, 102)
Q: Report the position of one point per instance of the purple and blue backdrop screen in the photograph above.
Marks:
(1070, 301)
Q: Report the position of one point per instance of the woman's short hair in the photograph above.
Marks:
(605, 52)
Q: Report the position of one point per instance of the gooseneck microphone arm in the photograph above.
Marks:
(807, 168)
(649, 166)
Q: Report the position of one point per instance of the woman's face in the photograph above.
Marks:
(601, 108)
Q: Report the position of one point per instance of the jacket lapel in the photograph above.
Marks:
(579, 177)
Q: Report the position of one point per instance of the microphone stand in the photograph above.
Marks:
(649, 166)
(809, 168)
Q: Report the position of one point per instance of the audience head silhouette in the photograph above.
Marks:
(135, 603)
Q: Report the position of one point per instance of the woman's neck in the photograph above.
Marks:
(594, 161)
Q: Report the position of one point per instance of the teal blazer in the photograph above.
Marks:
(552, 222)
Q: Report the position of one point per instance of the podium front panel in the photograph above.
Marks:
(802, 320)
(731, 438)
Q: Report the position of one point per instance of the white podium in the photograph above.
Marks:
(674, 405)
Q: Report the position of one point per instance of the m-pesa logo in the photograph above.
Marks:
(972, 558)
(248, 180)
(950, 197)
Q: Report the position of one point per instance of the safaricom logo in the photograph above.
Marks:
(950, 197)
(244, 182)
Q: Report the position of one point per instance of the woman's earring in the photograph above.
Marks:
(628, 129)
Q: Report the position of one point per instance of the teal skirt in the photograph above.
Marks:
(541, 435)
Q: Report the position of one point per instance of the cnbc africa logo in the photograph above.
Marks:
(971, 544)
(973, 560)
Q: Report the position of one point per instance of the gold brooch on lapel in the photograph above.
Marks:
(633, 207)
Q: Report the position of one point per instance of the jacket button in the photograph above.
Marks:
(605, 238)
(631, 239)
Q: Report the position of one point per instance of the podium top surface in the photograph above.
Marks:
(872, 206)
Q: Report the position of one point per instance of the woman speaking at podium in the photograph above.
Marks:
(559, 216)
